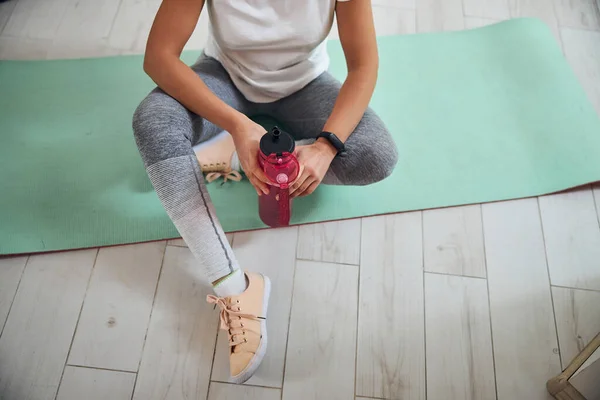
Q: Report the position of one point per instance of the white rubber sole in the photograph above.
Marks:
(262, 347)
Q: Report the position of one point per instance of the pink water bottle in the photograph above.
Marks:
(276, 158)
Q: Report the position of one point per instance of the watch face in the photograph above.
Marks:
(335, 142)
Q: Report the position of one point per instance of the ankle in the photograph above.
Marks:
(221, 279)
(232, 284)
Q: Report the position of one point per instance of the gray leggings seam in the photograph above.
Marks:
(212, 221)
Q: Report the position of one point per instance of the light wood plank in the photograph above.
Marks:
(254, 251)
(84, 30)
(577, 315)
(394, 21)
(408, 4)
(542, 9)
(6, 10)
(11, 269)
(87, 21)
(134, 20)
(200, 35)
(132, 25)
(337, 241)
(453, 241)
(181, 243)
(458, 339)
(476, 22)
(176, 242)
(35, 19)
(572, 237)
(39, 329)
(115, 315)
(579, 14)
(391, 353)
(523, 331)
(322, 340)
(71, 49)
(14, 48)
(95, 384)
(495, 9)
(388, 21)
(226, 391)
(440, 15)
(181, 337)
(582, 49)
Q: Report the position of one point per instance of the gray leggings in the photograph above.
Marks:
(165, 132)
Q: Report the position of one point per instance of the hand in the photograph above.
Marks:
(247, 145)
(314, 160)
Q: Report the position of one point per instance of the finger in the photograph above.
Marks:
(302, 189)
(305, 185)
(259, 184)
(260, 175)
(257, 171)
(256, 184)
(298, 182)
(300, 178)
(310, 189)
(300, 172)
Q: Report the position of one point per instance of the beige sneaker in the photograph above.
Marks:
(244, 317)
(215, 156)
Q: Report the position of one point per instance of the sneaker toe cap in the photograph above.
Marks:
(240, 362)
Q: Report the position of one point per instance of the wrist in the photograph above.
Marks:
(239, 124)
(326, 147)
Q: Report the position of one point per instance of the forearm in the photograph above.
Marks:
(181, 82)
(352, 102)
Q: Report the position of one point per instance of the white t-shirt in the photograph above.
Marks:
(270, 48)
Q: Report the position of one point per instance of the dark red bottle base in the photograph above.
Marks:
(274, 208)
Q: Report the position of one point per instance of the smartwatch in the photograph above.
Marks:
(335, 141)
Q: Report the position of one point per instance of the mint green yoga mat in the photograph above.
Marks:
(489, 114)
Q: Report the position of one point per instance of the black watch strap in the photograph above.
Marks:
(335, 142)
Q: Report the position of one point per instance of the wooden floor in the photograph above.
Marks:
(477, 302)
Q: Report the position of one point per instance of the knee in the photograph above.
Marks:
(155, 110)
(373, 151)
(160, 127)
(380, 158)
(388, 165)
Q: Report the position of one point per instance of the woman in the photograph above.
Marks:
(263, 57)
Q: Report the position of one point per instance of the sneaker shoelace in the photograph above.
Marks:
(232, 175)
(231, 319)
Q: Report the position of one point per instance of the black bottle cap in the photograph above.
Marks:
(277, 142)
